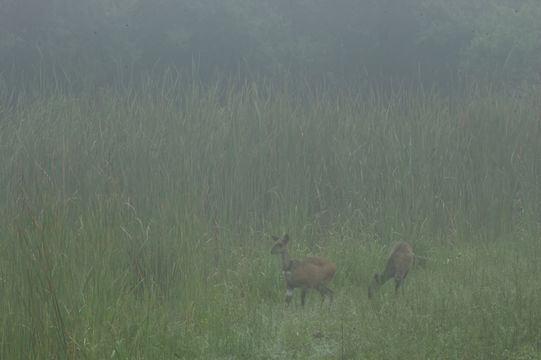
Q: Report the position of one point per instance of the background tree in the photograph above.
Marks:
(433, 41)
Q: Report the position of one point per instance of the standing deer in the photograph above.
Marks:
(308, 272)
(397, 267)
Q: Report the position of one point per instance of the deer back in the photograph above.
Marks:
(400, 260)
(310, 272)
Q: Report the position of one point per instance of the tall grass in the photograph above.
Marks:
(135, 224)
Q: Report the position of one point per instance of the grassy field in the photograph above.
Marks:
(137, 224)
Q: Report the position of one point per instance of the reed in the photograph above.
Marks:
(134, 222)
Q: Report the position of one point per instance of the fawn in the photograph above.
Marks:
(398, 265)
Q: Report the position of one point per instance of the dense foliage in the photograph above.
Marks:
(135, 215)
(432, 41)
(137, 225)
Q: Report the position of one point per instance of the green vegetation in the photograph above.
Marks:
(135, 224)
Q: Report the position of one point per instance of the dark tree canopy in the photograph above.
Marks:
(434, 41)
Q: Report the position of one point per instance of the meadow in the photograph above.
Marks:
(137, 223)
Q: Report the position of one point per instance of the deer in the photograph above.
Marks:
(398, 265)
(308, 272)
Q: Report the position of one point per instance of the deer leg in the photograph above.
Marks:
(323, 290)
(330, 293)
(303, 295)
(398, 283)
(289, 295)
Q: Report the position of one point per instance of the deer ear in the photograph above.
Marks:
(286, 238)
(275, 238)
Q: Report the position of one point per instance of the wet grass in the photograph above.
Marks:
(136, 224)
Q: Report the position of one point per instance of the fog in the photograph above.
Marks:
(270, 179)
(357, 41)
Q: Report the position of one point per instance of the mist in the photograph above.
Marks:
(256, 179)
(356, 42)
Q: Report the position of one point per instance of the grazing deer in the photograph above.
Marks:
(398, 266)
(308, 272)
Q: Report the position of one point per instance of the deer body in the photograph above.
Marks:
(398, 265)
(309, 272)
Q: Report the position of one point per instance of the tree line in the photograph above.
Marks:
(433, 41)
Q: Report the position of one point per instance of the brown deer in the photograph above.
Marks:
(308, 272)
(399, 264)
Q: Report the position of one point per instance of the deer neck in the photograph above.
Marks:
(286, 261)
(386, 275)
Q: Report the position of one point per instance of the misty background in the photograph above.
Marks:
(149, 150)
(350, 41)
